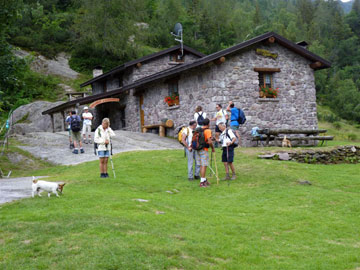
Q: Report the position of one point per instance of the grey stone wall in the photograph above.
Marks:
(97, 88)
(236, 80)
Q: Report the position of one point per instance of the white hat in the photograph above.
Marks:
(86, 108)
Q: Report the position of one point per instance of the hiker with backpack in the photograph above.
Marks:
(220, 117)
(199, 116)
(237, 118)
(186, 141)
(102, 138)
(87, 116)
(68, 128)
(228, 142)
(201, 142)
(75, 126)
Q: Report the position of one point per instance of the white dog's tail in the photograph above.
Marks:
(34, 180)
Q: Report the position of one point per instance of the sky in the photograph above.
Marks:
(345, 0)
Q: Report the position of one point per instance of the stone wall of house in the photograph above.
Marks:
(236, 80)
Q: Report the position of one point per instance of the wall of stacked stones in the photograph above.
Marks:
(236, 80)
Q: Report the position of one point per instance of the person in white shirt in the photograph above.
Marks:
(228, 140)
(87, 116)
(186, 139)
(220, 117)
(199, 116)
(102, 137)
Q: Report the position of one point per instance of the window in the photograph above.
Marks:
(177, 57)
(266, 82)
(173, 92)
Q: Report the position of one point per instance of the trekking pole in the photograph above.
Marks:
(227, 158)
(217, 177)
(111, 161)
(211, 159)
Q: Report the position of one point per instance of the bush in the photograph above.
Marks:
(337, 125)
(352, 137)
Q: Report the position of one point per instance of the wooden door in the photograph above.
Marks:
(141, 99)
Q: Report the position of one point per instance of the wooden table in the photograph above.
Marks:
(277, 135)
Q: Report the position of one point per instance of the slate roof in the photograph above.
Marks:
(168, 73)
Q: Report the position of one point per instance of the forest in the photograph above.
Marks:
(111, 32)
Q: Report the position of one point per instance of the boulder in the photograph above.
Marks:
(28, 118)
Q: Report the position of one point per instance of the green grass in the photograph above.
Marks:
(263, 220)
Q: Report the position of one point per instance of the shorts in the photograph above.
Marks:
(76, 135)
(69, 132)
(235, 127)
(228, 154)
(86, 128)
(103, 154)
(217, 129)
(202, 158)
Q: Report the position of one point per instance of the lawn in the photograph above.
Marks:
(262, 220)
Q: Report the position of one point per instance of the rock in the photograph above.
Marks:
(284, 156)
(141, 200)
(28, 118)
(58, 66)
(267, 156)
(17, 158)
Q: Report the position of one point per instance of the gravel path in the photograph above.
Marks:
(54, 147)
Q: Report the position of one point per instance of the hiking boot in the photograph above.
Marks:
(82, 151)
(75, 151)
(71, 146)
(106, 175)
(191, 179)
(207, 183)
(202, 184)
(89, 141)
(102, 175)
(233, 177)
(227, 177)
(197, 177)
(85, 141)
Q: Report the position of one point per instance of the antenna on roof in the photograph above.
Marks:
(178, 33)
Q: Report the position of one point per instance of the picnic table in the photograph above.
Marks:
(161, 127)
(277, 135)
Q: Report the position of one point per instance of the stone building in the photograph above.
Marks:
(234, 74)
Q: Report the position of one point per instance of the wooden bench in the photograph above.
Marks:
(274, 135)
(162, 127)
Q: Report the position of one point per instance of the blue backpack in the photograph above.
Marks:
(242, 119)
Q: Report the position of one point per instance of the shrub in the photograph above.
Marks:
(352, 137)
(337, 125)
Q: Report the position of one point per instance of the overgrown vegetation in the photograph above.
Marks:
(114, 31)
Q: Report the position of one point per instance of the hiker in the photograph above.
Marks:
(68, 128)
(234, 123)
(199, 116)
(202, 155)
(102, 137)
(87, 116)
(186, 139)
(228, 140)
(220, 117)
(75, 126)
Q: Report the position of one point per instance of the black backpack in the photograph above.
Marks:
(242, 119)
(236, 143)
(75, 124)
(198, 139)
(200, 119)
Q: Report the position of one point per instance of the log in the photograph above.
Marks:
(169, 123)
(315, 65)
(220, 60)
(138, 65)
(162, 131)
(307, 138)
(154, 126)
(272, 39)
(267, 69)
(291, 131)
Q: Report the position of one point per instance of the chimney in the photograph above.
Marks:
(97, 71)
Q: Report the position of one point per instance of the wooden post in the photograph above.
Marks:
(315, 65)
(220, 60)
(52, 123)
(63, 122)
(138, 65)
(161, 131)
(271, 39)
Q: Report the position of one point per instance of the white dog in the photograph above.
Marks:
(39, 186)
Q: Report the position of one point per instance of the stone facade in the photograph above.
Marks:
(236, 80)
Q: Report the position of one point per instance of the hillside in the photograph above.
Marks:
(104, 33)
